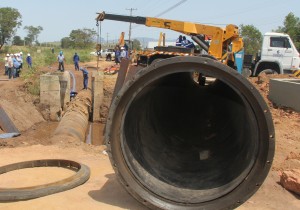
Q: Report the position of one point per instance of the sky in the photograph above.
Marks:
(59, 17)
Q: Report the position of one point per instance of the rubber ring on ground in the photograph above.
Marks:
(26, 193)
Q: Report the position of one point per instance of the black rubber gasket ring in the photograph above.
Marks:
(26, 193)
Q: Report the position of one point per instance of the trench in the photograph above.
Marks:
(92, 134)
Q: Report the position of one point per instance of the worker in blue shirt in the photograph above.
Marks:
(76, 60)
(179, 41)
(29, 61)
(187, 43)
(85, 74)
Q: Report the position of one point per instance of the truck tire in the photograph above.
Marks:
(246, 72)
(267, 71)
(108, 57)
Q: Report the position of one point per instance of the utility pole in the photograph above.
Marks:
(107, 39)
(129, 34)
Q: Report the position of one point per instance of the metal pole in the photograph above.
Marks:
(100, 33)
(107, 39)
(98, 39)
(129, 34)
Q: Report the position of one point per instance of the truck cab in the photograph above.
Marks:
(278, 55)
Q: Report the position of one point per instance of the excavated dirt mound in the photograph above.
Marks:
(24, 115)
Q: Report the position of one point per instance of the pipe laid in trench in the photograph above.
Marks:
(175, 144)
(74, 122)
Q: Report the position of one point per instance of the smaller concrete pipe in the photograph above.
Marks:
(74, 122)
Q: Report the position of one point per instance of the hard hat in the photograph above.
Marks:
(122, 48)
(21, 53)
(7, 55)
(28, 54)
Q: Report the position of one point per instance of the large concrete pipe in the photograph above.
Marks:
(175, 144)
(74, 122)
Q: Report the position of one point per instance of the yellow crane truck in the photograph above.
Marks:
(225, 42)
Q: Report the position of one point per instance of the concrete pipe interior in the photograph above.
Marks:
(186, 142)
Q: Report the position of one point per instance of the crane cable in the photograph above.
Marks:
(171, 8)
(167, 10)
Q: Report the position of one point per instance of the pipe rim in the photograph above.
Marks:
(129, 178)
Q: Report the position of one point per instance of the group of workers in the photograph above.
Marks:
(121, 53)
(14, 63)
(76, 59)
(183, 42)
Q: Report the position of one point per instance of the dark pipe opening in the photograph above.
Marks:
(180, 142)
(190, 136)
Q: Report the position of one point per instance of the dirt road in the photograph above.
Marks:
(102, 190)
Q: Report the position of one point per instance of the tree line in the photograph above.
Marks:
(11, 20)
(252, 37)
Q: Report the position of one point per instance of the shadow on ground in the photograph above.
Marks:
(114, 194)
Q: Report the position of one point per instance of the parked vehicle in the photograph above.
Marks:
(94, 53)
(278, 55)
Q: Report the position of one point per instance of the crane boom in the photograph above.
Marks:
(223, 40)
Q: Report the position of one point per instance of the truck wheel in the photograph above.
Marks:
(267, 71)
(108, 57)
(246, 72)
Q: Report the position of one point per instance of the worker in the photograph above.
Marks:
(187, 43)
(126, 47)
(85, 74)
(76, 60)
(29, 60)
(21, 60)
(123, 54)
(10, 70)
(61, 59)
(18, 70)
(16, 66)
(6, 64)
(117, 55)
(179, 41)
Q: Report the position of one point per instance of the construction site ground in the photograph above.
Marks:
(102, 190)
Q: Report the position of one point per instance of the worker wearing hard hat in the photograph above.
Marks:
(123, 54)
(29, 61)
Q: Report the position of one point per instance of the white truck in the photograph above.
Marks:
(278, 55)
